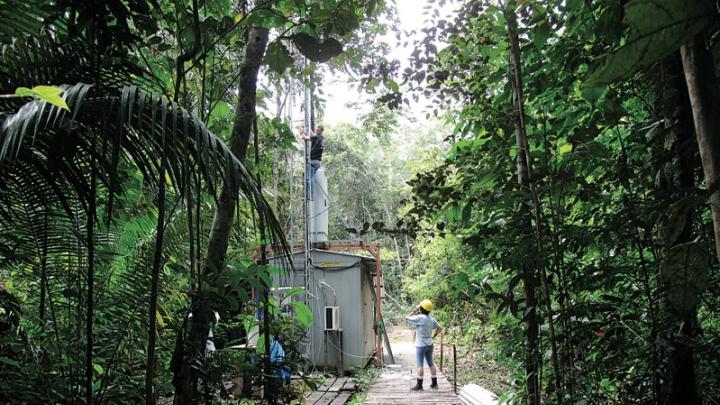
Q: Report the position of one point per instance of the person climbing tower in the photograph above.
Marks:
(427, 329)
(317, 146)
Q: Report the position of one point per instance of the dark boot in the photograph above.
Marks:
(418, 386)
(434, 385)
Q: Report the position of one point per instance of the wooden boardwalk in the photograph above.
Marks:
(393, 388)
(336, 391)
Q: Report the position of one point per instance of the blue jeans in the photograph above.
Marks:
(314, 166)
(424, 353)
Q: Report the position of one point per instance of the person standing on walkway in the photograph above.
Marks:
(427, 329)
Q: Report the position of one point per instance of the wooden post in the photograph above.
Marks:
(454, 370)
(442, 349)
(378, 310)
(341, 353)
(325, 360)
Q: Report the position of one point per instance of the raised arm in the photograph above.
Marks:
(412, 313)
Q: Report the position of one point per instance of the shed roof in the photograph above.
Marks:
(333, 252)
(344, 260)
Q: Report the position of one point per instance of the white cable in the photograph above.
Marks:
(317, 354)
(350, 354)
(328, 286)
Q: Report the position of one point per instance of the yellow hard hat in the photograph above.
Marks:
(426, 305)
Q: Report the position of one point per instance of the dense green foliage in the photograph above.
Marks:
(108, 201)
(622, 234)
(555, 210)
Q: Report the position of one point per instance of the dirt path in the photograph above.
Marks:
(403, 345)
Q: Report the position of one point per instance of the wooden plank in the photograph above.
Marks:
(327, 398)
(337, 385)
(314, 397)
(350, 385)
(393, 387)
(342, 398)
(321, 388)
(328, 384)
(326, 393)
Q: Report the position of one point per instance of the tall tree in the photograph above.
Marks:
(702, 85)
(676, 182)
(704, 95)
(583, 136)
(657, 31)
(186, 379)
(523, 163)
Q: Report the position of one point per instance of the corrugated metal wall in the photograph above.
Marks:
(338, 279)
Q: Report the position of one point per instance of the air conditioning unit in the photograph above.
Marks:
(332, 318)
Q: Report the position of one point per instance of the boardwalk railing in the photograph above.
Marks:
(442, 357)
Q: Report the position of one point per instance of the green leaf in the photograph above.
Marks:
(260, 348)
(277, 57)
(98, 368)
(677, 217)
(593, 94)
(294, 291)
(657, 29)
(315, 50)
(685, 273)
(219, 7)
(392, 85)
(303, 314)
(565, 148)
(486, 182)
(49, 94)
(9, 362)
(540, 35)
(221, 110)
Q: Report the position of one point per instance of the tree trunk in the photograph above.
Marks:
(186, 380)
(155, 279)
(675, 181)
(704, 94)
(90, 236)
(529, 274)
(43, 269)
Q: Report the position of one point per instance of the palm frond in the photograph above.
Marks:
(20, 19)
(31, 217)
(44, 60)
(130, 124)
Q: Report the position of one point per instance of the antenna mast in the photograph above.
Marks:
(307, 207)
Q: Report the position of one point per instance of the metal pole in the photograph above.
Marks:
(307, 214)
(306, 205)
(454, 370)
